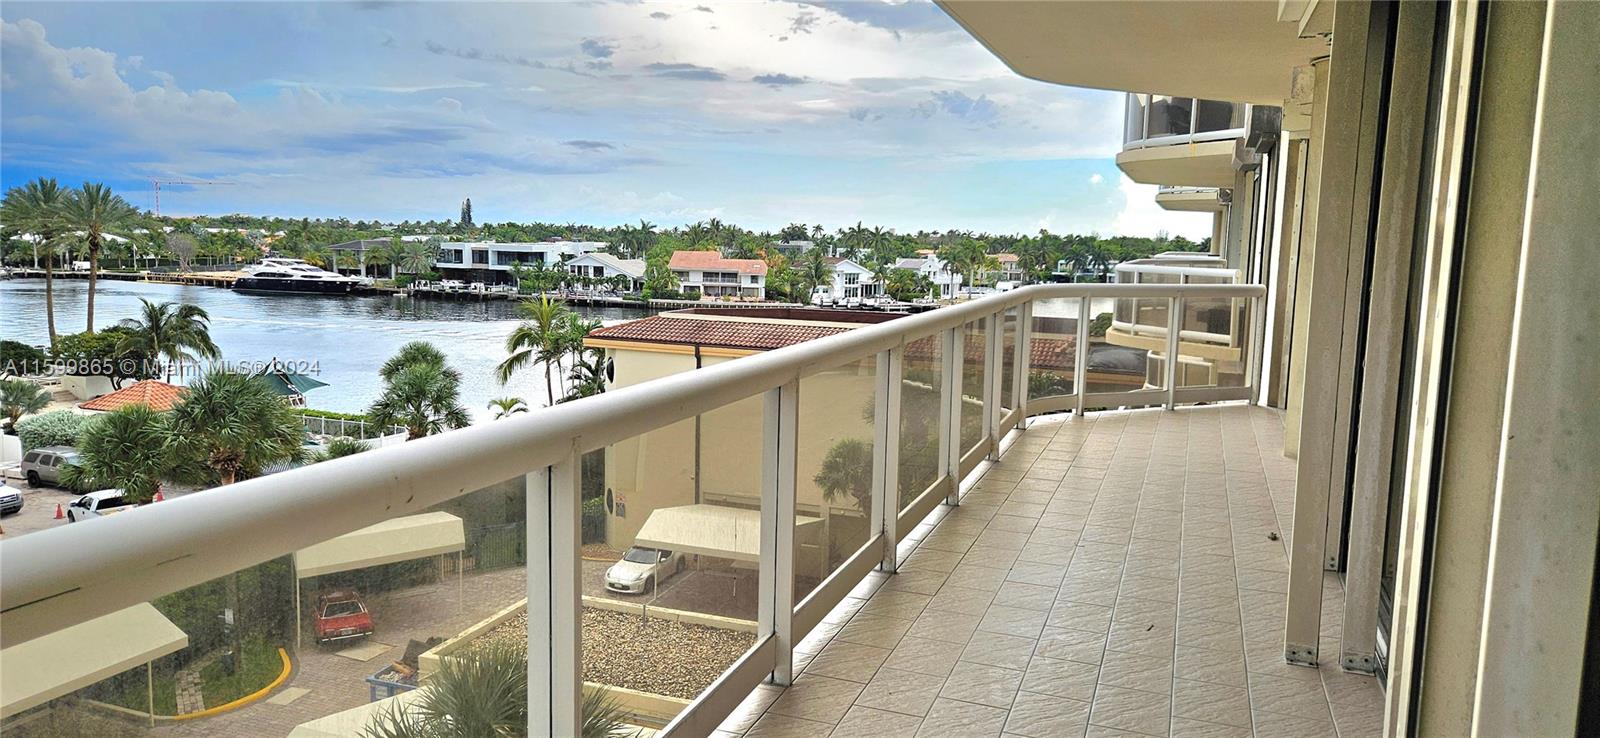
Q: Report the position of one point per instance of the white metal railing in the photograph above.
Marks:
(60, 577)
(360, 430)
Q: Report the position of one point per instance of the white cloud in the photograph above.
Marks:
(1095, 178)
(1141, 216)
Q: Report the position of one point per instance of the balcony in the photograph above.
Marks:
(1212, 335)
(1086, 562)
(1192, 199)
(1181, 141)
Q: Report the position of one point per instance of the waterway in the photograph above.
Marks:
(343, 340)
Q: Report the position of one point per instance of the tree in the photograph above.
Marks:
(847, 472)
(184, 247)
(421, 392)
(485, 693)
(466, 214)
(814, 270)
(19, 397)
(230, 426)
(129, 448)
(97, 212)
(588, 375)
(418, 257)
(341, 447)
(177, 332)
(36, 207)
(505, 407)
(540, 337)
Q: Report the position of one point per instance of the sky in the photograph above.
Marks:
(759, 113)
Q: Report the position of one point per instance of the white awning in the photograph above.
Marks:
(400, 539)
(708, 530)
(356, 719)
(37, 671)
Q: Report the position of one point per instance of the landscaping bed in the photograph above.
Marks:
(652, 655)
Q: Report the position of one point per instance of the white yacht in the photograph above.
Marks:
(276, 274)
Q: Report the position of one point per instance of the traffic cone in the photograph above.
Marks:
(60, 514)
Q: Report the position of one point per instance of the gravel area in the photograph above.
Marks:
(645, 654)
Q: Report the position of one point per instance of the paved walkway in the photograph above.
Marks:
(1111, 575)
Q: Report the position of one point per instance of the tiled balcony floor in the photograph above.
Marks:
(1111, 575)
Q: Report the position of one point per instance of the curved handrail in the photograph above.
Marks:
(57, 578)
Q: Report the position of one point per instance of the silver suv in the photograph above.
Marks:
(46, 464)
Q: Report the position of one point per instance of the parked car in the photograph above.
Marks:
(341, 615)
(45, 464)
(97, 505)
(10, 499)
(852, 302)
(822, 296)
(641, 569)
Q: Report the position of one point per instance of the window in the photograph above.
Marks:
(32, 457)
(480, 257)
(755, 279)
(110, 502)
(341, 609)
(852, 278)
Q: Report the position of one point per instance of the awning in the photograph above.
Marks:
(400, 539)
(288, 383)
(37, 671)
(356, 719)
(708, 530)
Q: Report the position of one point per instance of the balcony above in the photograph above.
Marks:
(1181, 141)
(1192, 199)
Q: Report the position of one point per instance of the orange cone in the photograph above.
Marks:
(60, 515)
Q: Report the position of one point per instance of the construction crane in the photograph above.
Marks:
(159, 182)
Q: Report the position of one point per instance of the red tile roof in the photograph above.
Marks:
(735, 334)
(713, 261)
(158, 396)
(1047, 353)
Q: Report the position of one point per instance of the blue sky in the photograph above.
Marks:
(759, 113)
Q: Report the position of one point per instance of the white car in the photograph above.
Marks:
(641, 569)
(852, 302)
(97, 504)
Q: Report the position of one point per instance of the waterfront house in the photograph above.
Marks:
(601, 265)
(490, 262)
(946, 282)
(850, 279)
(708, 274)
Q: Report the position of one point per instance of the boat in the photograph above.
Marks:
(276, 274)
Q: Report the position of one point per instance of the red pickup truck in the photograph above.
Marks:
(341, 615)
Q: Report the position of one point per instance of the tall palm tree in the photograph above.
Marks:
(230, 426)
(421, 392)
(177, 332)
(95, 210)
(542, 337)
(814, 270)
(588, 375)
(18, 398)
(418, 257)
(881, 271)
(36, 207)
(505, 407)
(129, 448)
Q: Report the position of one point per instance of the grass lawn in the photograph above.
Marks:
(135, 697)
(259, 666)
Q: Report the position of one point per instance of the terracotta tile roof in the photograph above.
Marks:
(1047, 353)
(733, 334)
(158, 396)
(713, 261)
(1005, 258)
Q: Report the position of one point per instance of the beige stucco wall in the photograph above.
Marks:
(657, 469)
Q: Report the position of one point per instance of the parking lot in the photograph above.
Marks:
(39, 508)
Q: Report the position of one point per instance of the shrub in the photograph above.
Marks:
(20, 358)
(594, 520)
(80, 351)
(330, 414)
(59, 428)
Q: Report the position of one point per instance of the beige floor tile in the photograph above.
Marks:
(1136, 671)
(999, 649)
(956, 719)
(924, 656)
(1014, 621)
(901, 691)
(938, 625)
(898, 604)
(1187, 728)
(913, 579)
(1079, 616)
(751, 709)
(1059, 678)
(1072, 645)
(1045, 716)
(1213, 703)
(784, 726)
(982, 684)
(874, 630)
(965, 600)
(845, 660)
(1130, 709)
(818, 698)
(1278, 725)
(865, 722)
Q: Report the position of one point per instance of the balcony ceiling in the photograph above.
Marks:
(1207, 164)
(1192, 201)
(1223, 50)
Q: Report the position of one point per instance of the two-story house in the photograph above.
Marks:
(490, 262)
(707, 274)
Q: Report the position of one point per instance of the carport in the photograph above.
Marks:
(37, 671)
(712, 530)
(401, 539)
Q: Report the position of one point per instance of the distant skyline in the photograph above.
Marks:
(758, 113)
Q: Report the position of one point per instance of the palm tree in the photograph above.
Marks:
(177, 332)
(129, 448)
(814, 270)
(485, 693)
(421, 392)
(97, 212)
(341, 447)
(541, 337)
(505, 407)
(847, 471)
(881, 270)
(418, 257)
(18, 398)
(231, 426)
(389, 253)
(588, 375)
(36, 207)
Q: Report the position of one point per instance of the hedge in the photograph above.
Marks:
(59, 428)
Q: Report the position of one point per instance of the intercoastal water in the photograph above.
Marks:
(342, 339)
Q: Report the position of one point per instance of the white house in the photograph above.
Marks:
(931, 266)
(707, 273)
(850, 279)
(602, 265)
(490, 262)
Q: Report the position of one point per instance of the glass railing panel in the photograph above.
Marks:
(833, 487)
(1010, 322)
(1052, 349)
(1133, 121)
(922, 376)
(974, 348)
(1169, 116)
(1214, 115)
(671, 559)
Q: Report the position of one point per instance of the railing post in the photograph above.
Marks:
(1174, 327)
(1258, 319)
(1080, 352)
(775, 610)
(555, 682)
(1021, 361)
(992, 368)
(886, 455)
(950, 412)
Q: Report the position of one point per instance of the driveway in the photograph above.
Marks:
(38, 510)
(730, 593)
